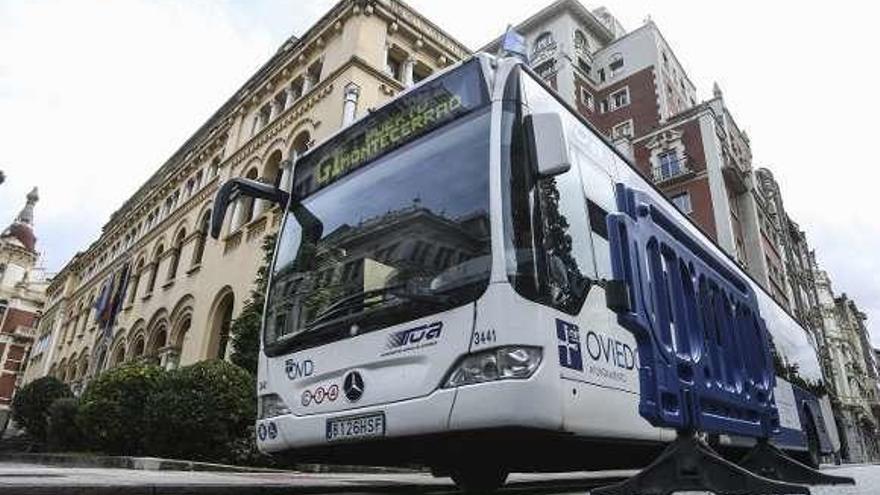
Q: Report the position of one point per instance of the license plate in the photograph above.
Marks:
(355, 427)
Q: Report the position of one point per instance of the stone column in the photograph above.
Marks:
(236, 216)
(408, 67)
(349, 105)
(285, 183)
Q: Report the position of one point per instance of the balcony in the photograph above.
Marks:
(671, 170)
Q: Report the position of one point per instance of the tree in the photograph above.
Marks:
(245, 329)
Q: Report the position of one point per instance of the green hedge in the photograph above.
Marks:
(30, 407)
(64, 434)
(112, 408)
(202, 412)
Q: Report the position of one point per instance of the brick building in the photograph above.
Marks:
(21, 297)
(632, 87)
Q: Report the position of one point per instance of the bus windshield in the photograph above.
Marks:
(400, 237)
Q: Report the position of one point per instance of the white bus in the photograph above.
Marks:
(437, 294)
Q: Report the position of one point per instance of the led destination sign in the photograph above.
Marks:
(425, 109)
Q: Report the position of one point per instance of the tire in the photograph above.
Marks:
(479, 479)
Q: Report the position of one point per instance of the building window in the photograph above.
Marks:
(669, 165)
(580, 41)
(623, 129)
(616, 65)
(296, 89)
(394, 63)
(683, 202)
(586, 98)
(202, 239)
(313, 74)
(601, 75)
(421, 72)
(546, 69)
(619, 98)
(603, 106)
(543, 44)
(584, 66)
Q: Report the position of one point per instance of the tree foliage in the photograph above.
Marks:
(30, 407)
(64, 433)
(245, 329)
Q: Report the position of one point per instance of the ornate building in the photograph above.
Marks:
(21, 297)
(154, 285)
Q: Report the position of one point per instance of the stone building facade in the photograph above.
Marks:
(154, 285)
(21, 298)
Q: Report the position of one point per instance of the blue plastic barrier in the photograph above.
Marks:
(705, 362)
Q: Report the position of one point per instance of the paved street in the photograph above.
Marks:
(33, 479)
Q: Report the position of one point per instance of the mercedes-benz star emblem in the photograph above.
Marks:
(353, 386)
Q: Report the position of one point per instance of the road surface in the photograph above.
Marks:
(18, 478)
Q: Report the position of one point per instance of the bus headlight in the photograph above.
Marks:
(272, 405)
(503, 363)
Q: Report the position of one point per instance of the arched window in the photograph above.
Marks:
(247, 203)
(135, 280)
(221, 319)
(202, 238)
(137, 349)
(580, 41)
(177, 249)
(159, 340)
(544, 43)
(118, 356)
(301, 144)
(157, 258)
(272, 169)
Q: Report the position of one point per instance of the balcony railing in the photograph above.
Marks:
(670, 172)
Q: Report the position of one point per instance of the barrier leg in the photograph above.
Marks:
(688, 464)
(770, 462)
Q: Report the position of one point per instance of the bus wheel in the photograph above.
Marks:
(479, 479)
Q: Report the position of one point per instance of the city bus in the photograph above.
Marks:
(437, 295)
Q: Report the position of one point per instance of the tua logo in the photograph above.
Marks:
(299, 369)
(415, 335)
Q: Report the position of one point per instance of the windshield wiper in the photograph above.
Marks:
(359, 302)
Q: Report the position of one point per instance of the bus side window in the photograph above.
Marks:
(598, 193)
(566, 240)
(599, 234)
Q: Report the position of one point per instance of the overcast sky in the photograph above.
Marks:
(96, 95)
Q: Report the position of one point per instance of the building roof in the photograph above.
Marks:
(574, 7)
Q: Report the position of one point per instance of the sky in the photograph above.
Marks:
(96, 95)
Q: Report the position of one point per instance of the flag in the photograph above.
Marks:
(514, 44)
(119, 295)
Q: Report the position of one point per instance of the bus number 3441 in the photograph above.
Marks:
(485, 337)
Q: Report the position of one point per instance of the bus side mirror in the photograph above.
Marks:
(549, 146)
(232, 189)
